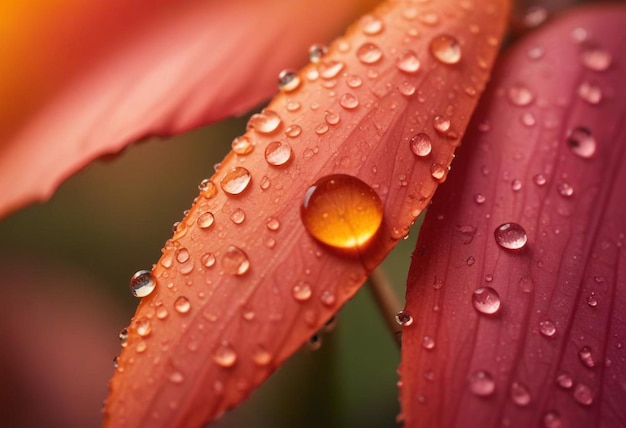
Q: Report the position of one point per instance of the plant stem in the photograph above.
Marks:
(387, 302)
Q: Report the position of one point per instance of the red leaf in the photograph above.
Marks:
(246, 286)
(546, 151)
(81, 79)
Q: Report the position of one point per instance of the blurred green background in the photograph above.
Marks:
(68, 262)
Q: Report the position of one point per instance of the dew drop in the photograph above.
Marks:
(446, 49)
(520, 95)
(272, 223)
(288, 80)
(207, 260)
(261, 356)
(331, 118)
(316, 52)
(235, 261)
(581, 142)
(123, 336)
(371, 25)
(516, 185)
(441, 124)
(142, 283)
(238, 216)
(143, 327)
(565, 381)
(141, 346)
(407, 89)
(404, 318)
(596, 59)
(161, 312)
(348, 101)
(408, 62)
(438, 172)
(479, 198)
(225, 356)
(547, 328)
(176, 377)
(236, 181)
(242, 145)
(205, 220)
(429, 18)
(565, 189)
(552, 420)
(321, 129)
(354, 81)
(293, 131)
(265, 122)
(540, 180)
(481, 383)
(592, 301)
(585, 357)
(511, 236)
(277, 153)
(486, 300)
(582, 394)
(301, 291)
(428, 343)
(341, 211)
(330, 69)
(590, 92)
(421, 145)
(369, 53)
(520, 394)
(116, 362)
(315, 342)
(182, 255)
(182, 305)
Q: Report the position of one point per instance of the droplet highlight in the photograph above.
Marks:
(486, 300)
(446, 49)
(421, 145)
(511, 236)
(236, 181)
(581, 142)
(481, 383)
(142, 283)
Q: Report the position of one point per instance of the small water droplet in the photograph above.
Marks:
(316, 52)
(354, 81)
(407, 89)
(142, 283)
(261, 356)
(540, 180)
(238, 216)
(552, 420)
(592, 301)
(331, 118)
(516, 185)
(596, 59)
(207, 259)
(301, 291)
(486, 300)
(564, 380)
(176, 377)
(315, 342)
(143, 327)
(182, 255)
(535, 53)
(528, 119)
(115, 362)
(585, 357)
(236, 181)
(421, 145)
(225, 356)
(341, 211)
(438, 172)
(265, 122)
(428, 343)
(161, 312)
(404, 318)
(520, 95)
(205, 220)
(481, 383)
(535, 16)
(429, 18)
(123, 336)
(479, 198)
(547, 328)
(321, 129)
(446, 49)
(441, 124)
(235, 261)
(141, 346)
(348, 101)
(293, 131)
(288, 80)
(272, 223)
(277, 153)
(581, 142)
(582, 394)
(242, 145)
(565, 189)
(371, 25)
(520, 394)
(369, 53)
(293, 106)
(590, 92)
(182, 305)
(330, 69)
(511, 236)
(408, 62)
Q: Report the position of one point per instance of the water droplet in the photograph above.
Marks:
(421, 145)
(516, 185)
(235, 261)
(176, 377)
(225, 356)
(143, 327)
(116, 362)
(123, 336)
(552, 420)
(520, 95)
(564, 380)
(479, 198)
(441, 124)
(316, 52)
(354, 81)
(242, 145)
(331, 118)
(328, 298)
(438, 172)
(429, 18)
(581, 142)
(141, 346)
(341, 211)
(315, 342)
(520, 394)
(585, 357)
(481, 383)
(301, 291)
(205, 220)
(292, 106)
(371, 25)
(596, 59)
(265, 122)
(369, 53)
(207, 259)
(540, 180)
(535, 16)
(321, 129)
(161, 312)
(404, 318)
(261, 356)
(277, 153)
(590, 93)
(511, 236)
(182, 255)
(348, 101)
(565, 189)
(582, 394)
(238, 216)
(236, 181)
(272, 223)
(293, 131)
(446, 49)
(428, 343)
(175, 227)
(182, 305)
(528, 119)
(408, 62)
(547, 328)
(407, 89)
(592, 301)
(330, 69)
(486, 300)
(142, 283)
(288, 80)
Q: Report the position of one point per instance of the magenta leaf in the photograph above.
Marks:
(526, 327)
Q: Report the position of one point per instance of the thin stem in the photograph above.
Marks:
(387, 301)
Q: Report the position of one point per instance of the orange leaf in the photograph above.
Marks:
(242, 285)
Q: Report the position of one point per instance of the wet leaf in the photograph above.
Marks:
(517, 280)
(84, 79)
(242, 284)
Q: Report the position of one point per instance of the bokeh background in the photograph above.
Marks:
(65, 267)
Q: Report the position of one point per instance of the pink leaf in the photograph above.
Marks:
(546, 151)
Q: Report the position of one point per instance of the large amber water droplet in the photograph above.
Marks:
(342, 211)
(236, 181)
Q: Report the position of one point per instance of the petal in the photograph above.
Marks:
(242, 282)
(545, 151)
(81, 79)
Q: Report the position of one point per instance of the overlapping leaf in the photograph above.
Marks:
(241, 285)
(546, 151)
